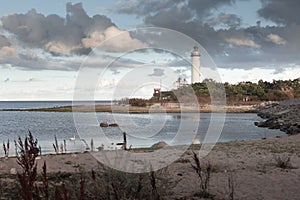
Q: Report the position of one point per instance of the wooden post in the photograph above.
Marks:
(124, 141)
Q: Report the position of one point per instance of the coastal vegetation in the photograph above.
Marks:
(240, 97)
(240, 93)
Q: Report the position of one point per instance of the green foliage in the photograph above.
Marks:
(277, 90)
(138, 102)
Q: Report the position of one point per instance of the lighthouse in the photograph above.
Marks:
(195, 78)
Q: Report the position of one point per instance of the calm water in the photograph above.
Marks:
(142, 130)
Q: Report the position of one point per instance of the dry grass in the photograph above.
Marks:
(283, 161)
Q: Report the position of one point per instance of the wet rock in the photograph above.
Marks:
(114, 125)
(104, 124)
(284, 116)
(293, 130)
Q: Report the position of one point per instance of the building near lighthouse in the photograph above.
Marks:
(166, 96)
(195, 76)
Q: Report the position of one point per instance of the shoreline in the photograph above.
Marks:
(144, 110)
(191, 147)
(284, 116)
(251, 163)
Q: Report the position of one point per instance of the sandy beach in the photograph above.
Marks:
(250, 165)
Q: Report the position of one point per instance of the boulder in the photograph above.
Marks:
(293, 130)
(13, 171)
(114, 125)
(160, 144)
(104, 124)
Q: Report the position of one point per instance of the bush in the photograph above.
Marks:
(283, 161)
(204, 173)
(26, 155)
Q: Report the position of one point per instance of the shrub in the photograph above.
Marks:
(26, 155)
(204, 173)
(283, 161)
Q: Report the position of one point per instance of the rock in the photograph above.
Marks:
(293, 130)
(284, 116)
(160, 144)
(263, 124)
(196, 141)
(114, 125)
(13, 171)
(104, 124)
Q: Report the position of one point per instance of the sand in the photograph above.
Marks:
(250, 164)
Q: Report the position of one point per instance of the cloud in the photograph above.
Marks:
(276, 39)
(33, 41)
(7, 51)
(281, 12)
(225, 19)
(203, 8)
(59, 48)
(6, 80)
(220, 33)
(115, 71)
(58, 42)
(4, 41)
(143, 7)
(157, 72)
(114, 40)
(243, 42)
(165, 9)
(75, 34)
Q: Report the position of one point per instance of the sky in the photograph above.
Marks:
(51, 50)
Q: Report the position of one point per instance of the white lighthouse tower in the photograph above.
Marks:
(195, 66)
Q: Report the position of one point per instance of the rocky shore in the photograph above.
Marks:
(284, 116)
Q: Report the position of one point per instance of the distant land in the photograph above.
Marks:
(241, 97)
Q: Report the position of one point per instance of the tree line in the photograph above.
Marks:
(242, 92)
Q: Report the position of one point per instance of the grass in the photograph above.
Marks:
(204, 171)
(283, 161)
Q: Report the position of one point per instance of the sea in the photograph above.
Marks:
(142, 130)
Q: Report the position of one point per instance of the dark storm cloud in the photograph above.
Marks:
(227, 20)
(151, 7)
(144, 7)
(203, 8)
(193, 18)
(232, 45)
(281, 11)
(54, 33)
